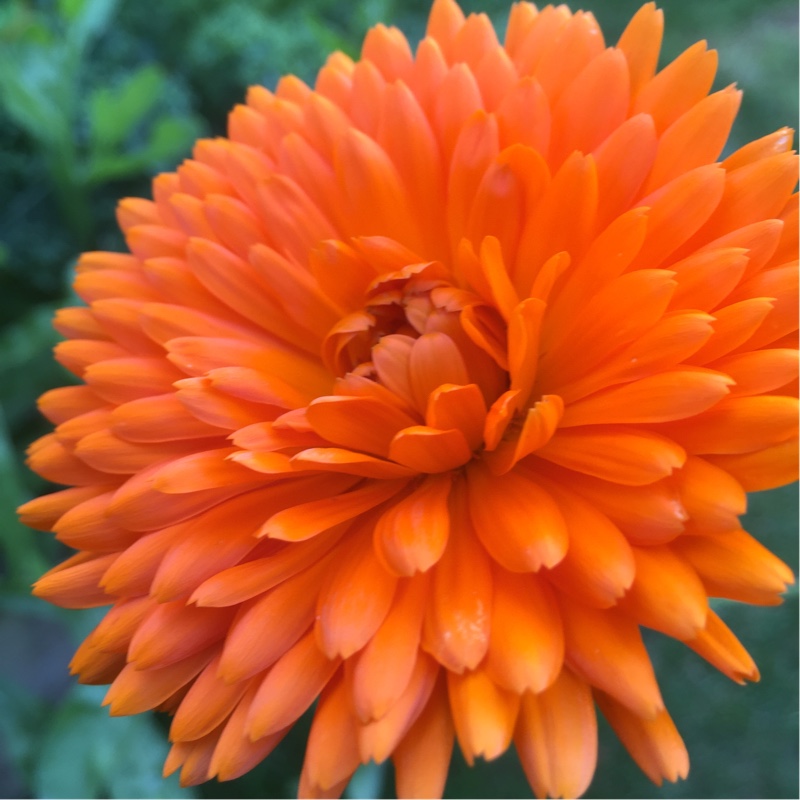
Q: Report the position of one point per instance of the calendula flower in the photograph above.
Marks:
(419, 395)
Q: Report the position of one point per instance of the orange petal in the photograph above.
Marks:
(526, 648)
(137, 690)
(377, 739)
(376, 689)
(666, 594)
(76, 583)
(678, 87)
(287, 612)
(761, 371)
(641, 43)
(734, 565)
(523, 344)
(598, 567)
(655, 745)
(764, 469)
(422, 758)
(303, 521)
(332, 750)
(517, 521)
(556, 738)
(334, 459)
(483, 714)
(355, 598)
(696, 138)
(236, 584)
(677, 210)
(460, 407)
(430, 450)
(717, 645)
(669, 395)
(199, 553)
(606, 649)
(646, 515)
(434, 360)
(738, 425)
(358, 423)
(457, 621)
(585, 113)
(289, 688)
(207, 704)
(236, 753)
(713, 499)
(541, 422)
(171, 632)
(632, 458)
(412, 534)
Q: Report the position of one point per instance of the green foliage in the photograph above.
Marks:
(98, 95)
(85, 753)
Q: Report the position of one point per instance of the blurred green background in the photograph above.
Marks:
(96, 96)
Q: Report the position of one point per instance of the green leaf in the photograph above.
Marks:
(87, 19)
(171, 137)
(86, 753)
(115, 113)
(31, 106)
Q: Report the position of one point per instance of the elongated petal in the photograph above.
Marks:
(556, 737)
(655, 745)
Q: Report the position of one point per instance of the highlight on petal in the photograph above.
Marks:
(419, 394)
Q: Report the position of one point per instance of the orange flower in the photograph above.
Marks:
(419, 395)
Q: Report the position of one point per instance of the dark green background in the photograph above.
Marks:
(96, 96)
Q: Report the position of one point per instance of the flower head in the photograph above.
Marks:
(419, 395)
